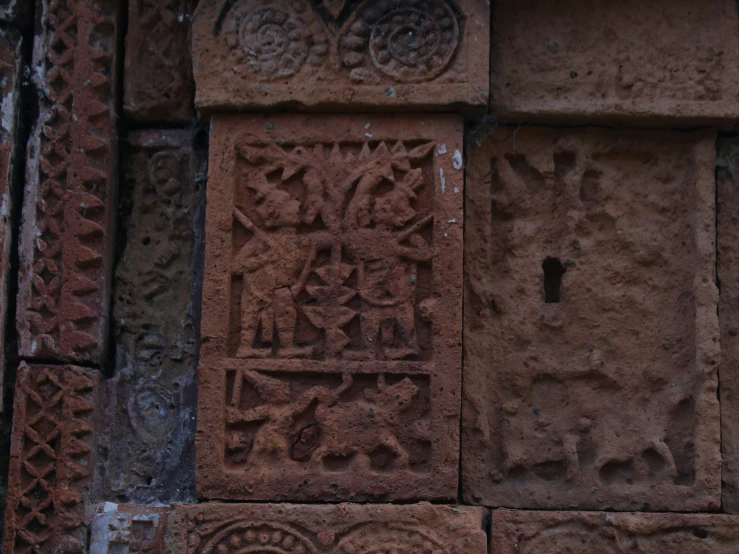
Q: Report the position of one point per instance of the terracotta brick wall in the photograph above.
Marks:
(369, 276)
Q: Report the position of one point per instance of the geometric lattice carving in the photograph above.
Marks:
(70, 184)
(51, 467)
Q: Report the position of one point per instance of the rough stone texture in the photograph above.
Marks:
(10, 67)
(70, 191)
(598, 391)
(15, 11)
(338, 529)
(128, 529)
(342, 54)
(51, 459)
(665, 62)
(516, 532)
(727, 183)
(331, 350)
(158, 83)
(151, 402)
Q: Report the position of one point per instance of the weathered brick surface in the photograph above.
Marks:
(128, 529)
(665, 62)
(515, 532)
(597, 391)
(52, 459)
(339, 55)
(314, 529)
(727, 183)
(331, 352)
(151, 402)
(158, 83)
(69, 196)
(10, 67)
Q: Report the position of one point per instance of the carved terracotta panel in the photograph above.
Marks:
(727, 183)
(591, 335)
(331, 328)
(662, 63)
(51, 459)
(337, 529)
(348, 54)
(128, 529)
(70, 192)
(10, 68)
(157, 80)
(151, 401)
(518, 532)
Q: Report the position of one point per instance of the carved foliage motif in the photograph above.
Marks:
(333, 252)
(374, 423)
(52, 468)
(408, 41)
(64, 245)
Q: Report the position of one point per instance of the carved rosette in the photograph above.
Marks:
(381, 538)
(257, 538)
(410, 41)
(274, 41)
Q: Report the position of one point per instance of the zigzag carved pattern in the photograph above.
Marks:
(52, 467)
(64, 290)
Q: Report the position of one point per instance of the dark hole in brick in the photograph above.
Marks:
(553, 272)
(700, 533)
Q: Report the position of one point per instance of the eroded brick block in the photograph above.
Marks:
(591, 333)
(152, 400)
(331, 309)
(10, 67)
(516, 532)
(727, 183)
(65, 249)
(51, 459)
(346, 54)
(339, 529)
(128, 529)
(158, 84)
(664, 62)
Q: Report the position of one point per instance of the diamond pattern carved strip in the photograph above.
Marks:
(70, 185)
(51, 466)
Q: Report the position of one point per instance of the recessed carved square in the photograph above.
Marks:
(324, 53)
(332, 305)
(591, 333)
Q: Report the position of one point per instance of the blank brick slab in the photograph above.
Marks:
(158, 83)
(10, 66)
(727, 183)
(51, 459)
(331, 352)
(591, 334)
(666, 62)
(342, 54)
(152, 400)
(65, 243)
(318, 529)
(612, 533)
(128, 529)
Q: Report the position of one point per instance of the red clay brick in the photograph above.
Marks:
(152, 400)
(727, 183)
(314, 529)
(51, 459)
(330, 363)
(157, 80)
(591, 335)
(515, 532)
(128, 529)
(10, 67)
(659, 63)
(70, 195)
(338, 55)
